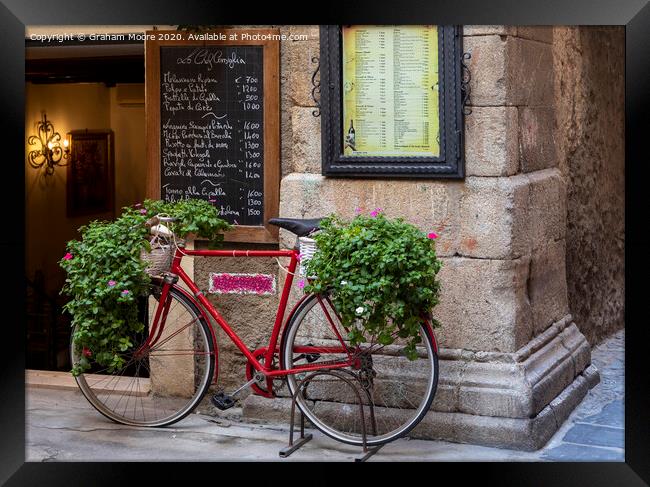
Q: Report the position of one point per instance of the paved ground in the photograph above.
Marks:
(61, 426)
(595, 430)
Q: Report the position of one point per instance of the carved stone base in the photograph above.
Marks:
(508, 400)
(514, 433)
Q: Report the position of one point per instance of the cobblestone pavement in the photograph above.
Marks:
(595, 430)
(62, 426)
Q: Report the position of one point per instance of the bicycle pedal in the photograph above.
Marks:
(223, 401)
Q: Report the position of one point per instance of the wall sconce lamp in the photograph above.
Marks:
(50, 153)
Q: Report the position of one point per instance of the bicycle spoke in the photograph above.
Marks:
(176, 333)
(393, 403)
(142, 391)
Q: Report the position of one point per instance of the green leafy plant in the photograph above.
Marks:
(105, 275)
(382, 276)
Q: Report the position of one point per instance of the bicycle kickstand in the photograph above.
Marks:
(367, 451)
(288, 450)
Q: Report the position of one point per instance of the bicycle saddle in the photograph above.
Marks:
(301, 227)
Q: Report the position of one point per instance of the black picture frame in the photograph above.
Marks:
(90, 184)
(448, 164)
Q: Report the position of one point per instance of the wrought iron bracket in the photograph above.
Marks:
(315, 82)
(465, 78)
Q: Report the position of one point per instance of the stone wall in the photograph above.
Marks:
(505, 222)
(512, 362)
(590, 94)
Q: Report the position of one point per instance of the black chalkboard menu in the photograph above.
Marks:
(212, 127)
(216, 140)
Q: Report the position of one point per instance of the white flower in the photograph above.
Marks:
(343, 283)
(360, 310)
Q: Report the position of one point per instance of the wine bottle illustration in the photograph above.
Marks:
(350, 138)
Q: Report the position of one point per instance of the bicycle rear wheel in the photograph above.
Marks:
(162, 384)
(399, 391)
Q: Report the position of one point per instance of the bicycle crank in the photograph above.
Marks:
(223, 400)
(268, 386)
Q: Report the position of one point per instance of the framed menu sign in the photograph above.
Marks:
(213, 123)
(392, 102)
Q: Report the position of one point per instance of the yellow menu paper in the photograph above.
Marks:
(390, 91)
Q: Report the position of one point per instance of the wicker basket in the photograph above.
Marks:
(159, 260)
(307, 248)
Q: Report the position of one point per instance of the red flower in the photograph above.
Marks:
(86, 352)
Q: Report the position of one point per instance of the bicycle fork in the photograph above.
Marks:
(159, 318)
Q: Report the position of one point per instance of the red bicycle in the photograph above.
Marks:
(175, 359)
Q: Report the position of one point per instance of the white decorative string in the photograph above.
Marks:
(177, 247)
(284, 268)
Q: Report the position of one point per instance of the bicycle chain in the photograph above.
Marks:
(274, 383)
(325, 362)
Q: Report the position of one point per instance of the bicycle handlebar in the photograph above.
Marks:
(155, 227)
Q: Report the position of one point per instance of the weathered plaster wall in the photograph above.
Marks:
(47, 227)
(590, 137)
(71, 107)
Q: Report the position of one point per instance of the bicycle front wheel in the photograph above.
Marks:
(161, 383)
(395, 392)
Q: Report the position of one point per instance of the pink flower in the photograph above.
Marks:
(357, 210)
(125, 292)
(301, 283)
(143, 211)
(86, 352)
(112, 283)
(67, 256)
(375, 212)
(432, 236)
(138, 205)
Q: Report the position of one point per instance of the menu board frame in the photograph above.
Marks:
(157, 39)
(450, 161)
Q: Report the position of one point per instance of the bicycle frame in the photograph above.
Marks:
(205, 305)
